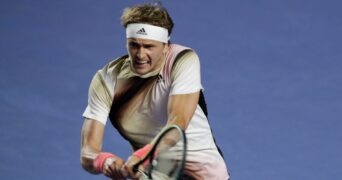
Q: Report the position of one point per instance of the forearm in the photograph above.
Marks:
(87, 160)
(91, 143)
(181, 108)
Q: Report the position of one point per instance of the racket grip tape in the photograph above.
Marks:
(142, 152)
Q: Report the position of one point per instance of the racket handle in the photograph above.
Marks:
(142, 152)
(136, 168)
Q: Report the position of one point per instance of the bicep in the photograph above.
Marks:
(181, 108)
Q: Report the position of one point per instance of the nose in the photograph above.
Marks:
(141, 54)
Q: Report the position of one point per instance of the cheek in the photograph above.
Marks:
(155, 57)
(131, 53)
(158, 54)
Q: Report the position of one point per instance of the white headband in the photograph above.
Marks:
(146, 31)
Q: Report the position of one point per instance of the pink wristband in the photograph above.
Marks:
(100, 159)
(142, 152)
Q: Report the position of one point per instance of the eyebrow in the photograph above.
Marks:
(135, 43)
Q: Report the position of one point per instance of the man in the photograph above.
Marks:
(155, 85)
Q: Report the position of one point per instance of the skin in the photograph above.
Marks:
(147, 56)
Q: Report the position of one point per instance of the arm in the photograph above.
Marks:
(93, 159)
(91, 143)
(181, 108)
(185, 89)
(94, 122)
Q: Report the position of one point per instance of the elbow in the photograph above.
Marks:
(179, 121)
(182, 125)
(83, 163)
(87, 164)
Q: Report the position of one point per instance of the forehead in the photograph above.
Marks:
(143, 41)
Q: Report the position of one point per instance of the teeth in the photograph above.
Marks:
(141, 62)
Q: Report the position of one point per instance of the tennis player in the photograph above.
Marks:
(157, 84)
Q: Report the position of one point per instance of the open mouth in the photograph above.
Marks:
(138, 62)
(141, 63)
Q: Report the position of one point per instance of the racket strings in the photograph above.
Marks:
(167, 157)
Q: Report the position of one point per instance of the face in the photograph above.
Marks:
(146, 55)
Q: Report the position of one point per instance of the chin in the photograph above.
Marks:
(141, 72)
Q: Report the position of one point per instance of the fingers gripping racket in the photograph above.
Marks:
(167, 157)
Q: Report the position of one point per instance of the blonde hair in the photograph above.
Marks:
(150, 13)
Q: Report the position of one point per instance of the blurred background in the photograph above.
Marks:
(271, 71)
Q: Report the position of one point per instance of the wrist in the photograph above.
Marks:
(102, 160)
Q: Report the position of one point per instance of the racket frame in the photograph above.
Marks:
(148, 172)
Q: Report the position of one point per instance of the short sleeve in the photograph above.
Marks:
(186, 74)
(99, 101)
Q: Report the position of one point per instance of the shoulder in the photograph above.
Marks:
(107, 75)
(179, 58)
(186, 58)
(178, 53)
(176, 50)
(114, 65)
(112, 69)
(182, 53)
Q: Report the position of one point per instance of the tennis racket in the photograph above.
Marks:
(167, 156)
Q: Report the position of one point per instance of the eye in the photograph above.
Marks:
(148, 46)
(133, 45)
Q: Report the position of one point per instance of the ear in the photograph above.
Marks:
(166, 48)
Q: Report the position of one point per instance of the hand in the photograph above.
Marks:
(132, 160)
(115, 168)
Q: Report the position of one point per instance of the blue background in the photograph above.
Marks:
(271, 71)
